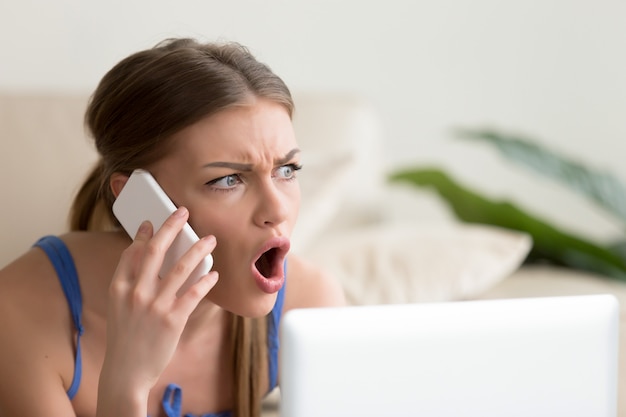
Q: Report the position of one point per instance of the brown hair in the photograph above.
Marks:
(137, 107)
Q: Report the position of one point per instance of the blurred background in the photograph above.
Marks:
(553, 70)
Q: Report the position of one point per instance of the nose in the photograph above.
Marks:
(272, 207)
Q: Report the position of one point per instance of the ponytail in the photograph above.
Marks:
(89, 210)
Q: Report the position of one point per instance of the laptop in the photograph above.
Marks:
(552, 356)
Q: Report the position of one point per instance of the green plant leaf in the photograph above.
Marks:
(549, 243)
(619, 248)
(601, 187)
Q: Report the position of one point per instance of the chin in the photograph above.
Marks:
(250, 306)
(260, 307)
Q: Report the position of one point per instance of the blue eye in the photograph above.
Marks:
(288, 171)
(228, 181)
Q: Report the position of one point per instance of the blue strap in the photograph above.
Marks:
(172, 400)
(172, 403)
(63, 263)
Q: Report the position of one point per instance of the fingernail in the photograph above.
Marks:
(209, 238)
(144, 227)
(214, 277)
(180, 212)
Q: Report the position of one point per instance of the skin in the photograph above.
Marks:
(231, 175)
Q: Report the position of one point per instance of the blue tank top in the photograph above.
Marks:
(63, 263)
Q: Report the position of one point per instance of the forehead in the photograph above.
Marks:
(247, 131)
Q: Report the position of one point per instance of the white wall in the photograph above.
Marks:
(553, 69)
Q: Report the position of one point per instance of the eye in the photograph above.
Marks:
(288, 171)
(226, 182)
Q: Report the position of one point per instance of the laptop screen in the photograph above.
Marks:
(552, 356)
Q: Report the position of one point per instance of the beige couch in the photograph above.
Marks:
(386, 244)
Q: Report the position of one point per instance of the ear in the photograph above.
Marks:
(117, 182)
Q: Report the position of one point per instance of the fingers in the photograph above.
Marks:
(190, 298)
(131, 261)
(144, 233)
(163, 238)
(137, 248)
(154, 249)
(145, 312)
(154, 245)
(176, 280)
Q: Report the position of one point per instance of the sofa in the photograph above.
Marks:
(385, 243)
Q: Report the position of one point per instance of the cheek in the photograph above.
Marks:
(218, 221)
(229, 217)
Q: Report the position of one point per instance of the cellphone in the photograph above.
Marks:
(142, 198)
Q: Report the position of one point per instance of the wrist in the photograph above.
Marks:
(119, 397)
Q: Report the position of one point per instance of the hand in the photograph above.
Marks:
(146, 316)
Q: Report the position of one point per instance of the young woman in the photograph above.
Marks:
(89, 327)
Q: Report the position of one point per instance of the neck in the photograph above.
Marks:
(207, 318)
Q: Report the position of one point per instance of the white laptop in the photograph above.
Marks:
(552, 357)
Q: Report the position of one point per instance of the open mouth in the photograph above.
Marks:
(268, 266)
(267, 262)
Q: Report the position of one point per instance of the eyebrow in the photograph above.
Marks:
(248, 167)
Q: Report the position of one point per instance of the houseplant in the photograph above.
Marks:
(551, 244)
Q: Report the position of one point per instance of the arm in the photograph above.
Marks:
(144, 322)
(146, 316)
(35, 348)
(33, 394)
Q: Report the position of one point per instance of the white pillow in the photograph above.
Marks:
(340, 137)
(388, 264)
(323, 181)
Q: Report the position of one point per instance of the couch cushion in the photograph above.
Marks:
(387, 264)
(341, 137)
(45, 156)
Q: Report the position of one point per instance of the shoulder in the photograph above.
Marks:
(310, 286)
(31, 295)
(36, 339)
(33, 274)
(27, 277)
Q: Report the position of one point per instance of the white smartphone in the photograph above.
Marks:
(142, 198)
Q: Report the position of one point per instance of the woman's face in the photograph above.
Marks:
(235, 172)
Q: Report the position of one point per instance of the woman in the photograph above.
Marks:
(213, 126)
